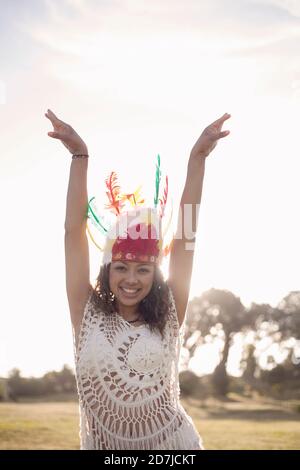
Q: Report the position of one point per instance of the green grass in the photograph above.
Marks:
(244, 435)
(39, 426)
(240, 424)
(234, 424)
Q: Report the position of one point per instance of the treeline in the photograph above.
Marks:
(281, 382)
(270, 338)
(51, 383)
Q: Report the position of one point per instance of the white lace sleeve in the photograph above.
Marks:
(78, 339)
(174, 323)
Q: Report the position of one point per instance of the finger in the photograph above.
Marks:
(51, 118)
(55, 135)
(50, 115)
(223, 134)
(221, 119)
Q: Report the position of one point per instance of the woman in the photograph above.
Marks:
(128, 328)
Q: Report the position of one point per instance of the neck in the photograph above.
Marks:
(128, 312)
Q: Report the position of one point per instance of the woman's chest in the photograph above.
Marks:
(134, 354)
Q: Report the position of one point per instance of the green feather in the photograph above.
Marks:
(94, 217)
(157, 181)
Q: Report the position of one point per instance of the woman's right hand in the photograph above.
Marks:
(66, 134)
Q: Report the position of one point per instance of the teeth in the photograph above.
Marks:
(130, 291)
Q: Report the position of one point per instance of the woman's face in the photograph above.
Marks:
(131, 282)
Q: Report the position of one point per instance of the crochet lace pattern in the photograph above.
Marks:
(128, 384)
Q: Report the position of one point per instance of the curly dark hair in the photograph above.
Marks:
(153, 308)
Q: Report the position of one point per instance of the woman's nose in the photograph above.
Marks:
(132, 277)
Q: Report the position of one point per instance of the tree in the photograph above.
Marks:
(289, 323)
(62, 381)
(278, 326)
(66, 379)
(249, 364)
(216, 314)
(14, 384)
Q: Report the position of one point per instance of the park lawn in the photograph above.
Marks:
(246, 435)
(39, 425)
(246, 424)
(233, 425)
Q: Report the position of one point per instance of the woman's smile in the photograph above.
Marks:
(129, 292)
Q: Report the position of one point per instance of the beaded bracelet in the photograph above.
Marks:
(80, 156)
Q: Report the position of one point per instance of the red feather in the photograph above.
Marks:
(163, 201)
(113, 194)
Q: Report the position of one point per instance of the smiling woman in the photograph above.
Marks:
(131, 280)
(130, 284)
(149, 303)
(128, 329)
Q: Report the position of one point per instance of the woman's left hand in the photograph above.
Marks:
(209, 138)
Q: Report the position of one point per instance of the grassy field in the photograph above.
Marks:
(234, 424)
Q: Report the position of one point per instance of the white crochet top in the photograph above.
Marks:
(128, 387)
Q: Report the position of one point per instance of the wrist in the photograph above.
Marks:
(196, 161)
(80, 151)
(80, 156)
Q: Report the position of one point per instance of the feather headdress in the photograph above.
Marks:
(137, 232)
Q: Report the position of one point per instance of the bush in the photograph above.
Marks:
(3, 390)
(188, 383)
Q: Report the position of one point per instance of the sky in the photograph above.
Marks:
(138, 78)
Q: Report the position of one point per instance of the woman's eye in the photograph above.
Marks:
(142, 270)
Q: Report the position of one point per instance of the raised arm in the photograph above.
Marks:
(76, 243)
(182, 251)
